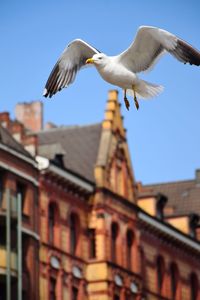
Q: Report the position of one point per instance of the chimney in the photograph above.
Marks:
(49, 125)
(30, 115)
(198, 176)
(5, 119)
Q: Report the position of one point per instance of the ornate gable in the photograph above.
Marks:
(113, 169)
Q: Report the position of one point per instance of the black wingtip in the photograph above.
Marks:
(189, 53)
(45, 93)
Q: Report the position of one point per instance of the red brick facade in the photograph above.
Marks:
(19, 175)
(102, 235)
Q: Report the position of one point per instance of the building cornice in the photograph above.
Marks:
(31, 233)
(18, 155)
(45, 166)
(19, 173)
(168, 230)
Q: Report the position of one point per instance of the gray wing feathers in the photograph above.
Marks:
(70, 62)
(150, 43)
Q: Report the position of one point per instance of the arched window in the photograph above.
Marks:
(74, 293)
(160, 273)
(114, 233)
(52, 288)
(52, 222)
(174, 280)
(74, 231)
(92, 243)
(129, 246)
(193, 287)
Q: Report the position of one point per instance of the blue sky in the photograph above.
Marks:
(163, 135)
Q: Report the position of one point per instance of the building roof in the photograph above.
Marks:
(183, 196)
(7, 139)
(79, 146)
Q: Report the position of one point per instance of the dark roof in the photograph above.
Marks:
(7, 139)
(78, 144)
(183, 196)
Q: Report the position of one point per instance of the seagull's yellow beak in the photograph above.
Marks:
(90, 61)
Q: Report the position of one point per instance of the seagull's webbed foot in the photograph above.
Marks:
(135, 99)
(127, 104)
(136, 103)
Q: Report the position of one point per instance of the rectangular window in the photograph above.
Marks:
(52, 289)
(92, 243)
(74, 293)
(21, 190)
(1, 188)
(2, 235)
(3, 290)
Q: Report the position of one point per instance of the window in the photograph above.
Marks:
(74, 293)
(74, 223)
(116, 297)
(114, 233)
(52, 289)
(174, 280)
(1, 188)
(3, 235)
(3, 290)
(21, 191)
(129, 241)
(25, 246)
(51, 219)
(160, 273)
(92, 245)
(193, 287)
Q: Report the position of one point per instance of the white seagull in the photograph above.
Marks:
(121, 70)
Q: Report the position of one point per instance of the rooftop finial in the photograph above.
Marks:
(113, 95)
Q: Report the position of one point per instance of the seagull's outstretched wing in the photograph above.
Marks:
(150, 43)
(64, 72)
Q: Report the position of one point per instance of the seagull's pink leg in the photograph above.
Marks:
(135, 98)
(126, 101)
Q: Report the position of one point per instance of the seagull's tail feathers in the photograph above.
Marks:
(145, 90)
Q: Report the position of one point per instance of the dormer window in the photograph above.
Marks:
(161, 202)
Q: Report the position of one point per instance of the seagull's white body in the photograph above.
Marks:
(121, 70)
(115, 73)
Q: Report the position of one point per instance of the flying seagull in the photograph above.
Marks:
(121, 70)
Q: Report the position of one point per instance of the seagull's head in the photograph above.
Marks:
(98, 59)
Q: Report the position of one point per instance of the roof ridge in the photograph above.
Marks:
(68, 127)
(170, 182)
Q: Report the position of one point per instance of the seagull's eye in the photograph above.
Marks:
(100, 57)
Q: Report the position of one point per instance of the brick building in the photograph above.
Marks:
(19, 219)
(102, 234)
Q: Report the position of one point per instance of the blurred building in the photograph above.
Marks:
(103, 235)
(19, 217)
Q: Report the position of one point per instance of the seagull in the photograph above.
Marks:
(121, 70)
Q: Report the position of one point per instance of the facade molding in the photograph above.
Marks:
(172, 232)
(71, 177)
(31, 233)
(18, 155)
(19, 173)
